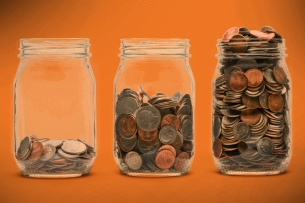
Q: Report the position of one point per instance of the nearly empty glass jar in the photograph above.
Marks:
(54, 108)
(251, 131)
(154, 93)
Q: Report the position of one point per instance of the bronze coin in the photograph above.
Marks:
(181, 161)
(250, 116)
(279, 75)
(239, 44)
(276, 103)
(238, 81)
(217, 148)
(147, 135)
(37, 149)
(167, 147)
(230, 33)
(172, 120)
(255, 77)
(165, 159)
(250, 102)
(128, 126)
(262, 35)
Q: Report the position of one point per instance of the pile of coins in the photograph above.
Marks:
(250, 100)
(153, 134)
(54, 156)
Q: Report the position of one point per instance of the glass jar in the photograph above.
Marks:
(154, 94)
(54, 108)
(251, 128)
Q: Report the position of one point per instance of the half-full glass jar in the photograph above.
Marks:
(154, 94)
(54, 108)
(251, 128)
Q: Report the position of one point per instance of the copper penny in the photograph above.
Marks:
(276, 103)
(217, 148)
(147, 135)
(250, 116)
(255, 77)
(230, 33)
(167, 147)
(181, 161)
(239, 44)
(37, 149)
(172, 120)
(279, 75)
(238, 81)
(165, 159)
(128, 126)
(250, 102)
(262, 35)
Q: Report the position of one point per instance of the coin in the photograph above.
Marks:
(48, 152)
(268, 75)
(263, 100)
(255, 77)
(177, 144)
(127, 126)
(230, 33)
(55, 143)
(187, 129)
(262, 35)
(66, 155)
(167, 134)
(238, 81)
(241, 131)
(126, 144)
(165, 159)
(171, 120)
(217, 148)
(133, 160)
(250, 116)
(126, 105)
(238, 44)
(276, 103)
(250, 102)
(147, 135)
(177, 96)
(87, 145)
(37, 149)
(24, 148)
(216, 126)
(148, 118)
(181, 161)
(280, 75)
(73, 147)
(265, 146)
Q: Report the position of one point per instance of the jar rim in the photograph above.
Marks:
(155, 41)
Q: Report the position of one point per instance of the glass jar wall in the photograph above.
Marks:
(251, 129)
(154, 94)
(54, 106)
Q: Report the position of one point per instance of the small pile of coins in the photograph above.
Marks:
(54, 156)
(155, 135)
(251, 95)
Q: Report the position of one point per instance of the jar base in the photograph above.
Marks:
(37, 175)
(154, 175)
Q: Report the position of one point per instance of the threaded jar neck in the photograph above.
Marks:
(154, 48)
(252, 48)
(54, 48)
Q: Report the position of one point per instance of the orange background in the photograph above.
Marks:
(105, 23)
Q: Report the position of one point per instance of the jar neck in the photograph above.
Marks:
(55, 48)
(154, 48)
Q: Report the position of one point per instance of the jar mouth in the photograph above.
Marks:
(154, 47)
(252, 48)
(54, 47)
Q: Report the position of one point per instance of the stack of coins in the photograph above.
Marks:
(250, 100)
(54, 156)
(155, 135)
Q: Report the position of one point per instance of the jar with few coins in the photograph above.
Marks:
(54, 109)
(154, 102)
(251, 110)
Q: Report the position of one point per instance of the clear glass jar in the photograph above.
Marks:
(154, 94)
(251, 128)
(54, 108)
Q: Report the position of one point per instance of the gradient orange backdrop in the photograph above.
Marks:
(105, 23)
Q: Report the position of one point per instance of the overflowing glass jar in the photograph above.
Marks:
(251, 129)
(54, 103)
(153, 106)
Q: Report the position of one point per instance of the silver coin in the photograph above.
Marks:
(177, 96)
(167, 134)
(126, 105)
(268, 75)
(83, 141)
(265, 28)
(66, 155)
(55, 143)
(241, 131)
(148, 118)
(73, 147)
(184, 110)
(133, 160)
(216, 126)
(187, 129)
(148, 149)
(263, 99)
(265, 146)
(24, 148)
(245, 64)
(48, 152)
